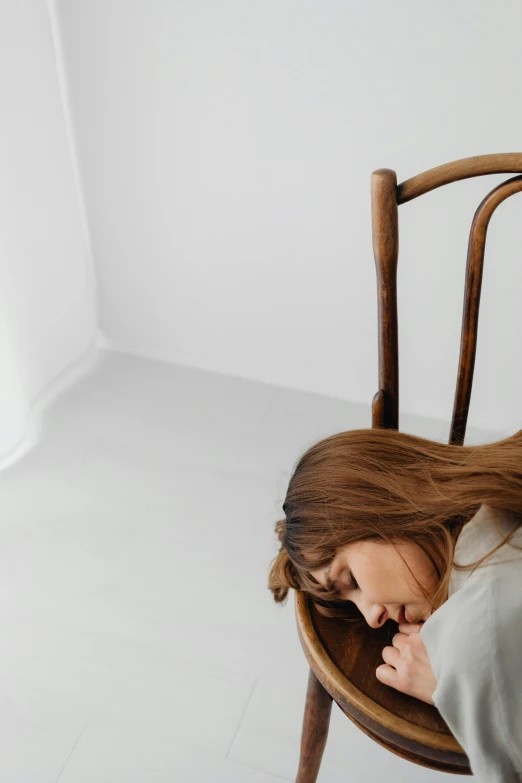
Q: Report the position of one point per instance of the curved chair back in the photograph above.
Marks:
(386, 198)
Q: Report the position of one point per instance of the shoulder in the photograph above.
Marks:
(482, 534)
(470, 624)
(505, 647)
(503, 595)
(455, 634)
(473, 643)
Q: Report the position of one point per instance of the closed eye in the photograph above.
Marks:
(350, 581)
(346, 580)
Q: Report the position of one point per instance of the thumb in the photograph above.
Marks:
(410, 628)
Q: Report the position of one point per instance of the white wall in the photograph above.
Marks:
(47, 302)
(226, 151)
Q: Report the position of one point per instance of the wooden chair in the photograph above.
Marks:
(342, 659)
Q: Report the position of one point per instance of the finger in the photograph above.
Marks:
(410, 627)
(392, 656)
(399, 640)
(387, 675)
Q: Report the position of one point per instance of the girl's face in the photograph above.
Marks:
(376, 579)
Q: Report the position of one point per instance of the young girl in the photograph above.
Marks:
(374, 523)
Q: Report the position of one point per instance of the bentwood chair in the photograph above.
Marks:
(342, 658)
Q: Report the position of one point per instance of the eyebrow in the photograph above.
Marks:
(326, 575)
(329, 584)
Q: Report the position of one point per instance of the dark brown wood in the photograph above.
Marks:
(502, 163)
(474, 272)
(378, 410)
(316, 722)
(456, 770)
(385, 231)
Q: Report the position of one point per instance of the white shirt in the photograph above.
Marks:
(474, 643)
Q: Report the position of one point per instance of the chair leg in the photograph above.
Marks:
(316, 722)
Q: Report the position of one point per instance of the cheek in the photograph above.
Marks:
(380, 575)
(386, 577)
(424, 571)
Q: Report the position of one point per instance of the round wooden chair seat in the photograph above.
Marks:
(344, 656)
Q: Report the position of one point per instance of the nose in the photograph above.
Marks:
(376, 615)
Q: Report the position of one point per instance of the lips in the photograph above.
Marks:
(402, 616)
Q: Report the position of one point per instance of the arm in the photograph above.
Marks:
(480, 700)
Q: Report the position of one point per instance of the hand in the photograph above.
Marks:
(408, 667)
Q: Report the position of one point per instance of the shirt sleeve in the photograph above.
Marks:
(479, 690)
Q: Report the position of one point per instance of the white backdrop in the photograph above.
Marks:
(225, 152)
(47, 298)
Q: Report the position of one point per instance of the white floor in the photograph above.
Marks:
(139, 642)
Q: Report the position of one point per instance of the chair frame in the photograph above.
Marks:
(327, 683)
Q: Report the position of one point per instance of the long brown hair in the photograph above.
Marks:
(388, 486)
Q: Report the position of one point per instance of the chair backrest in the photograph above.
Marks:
(386, 197)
